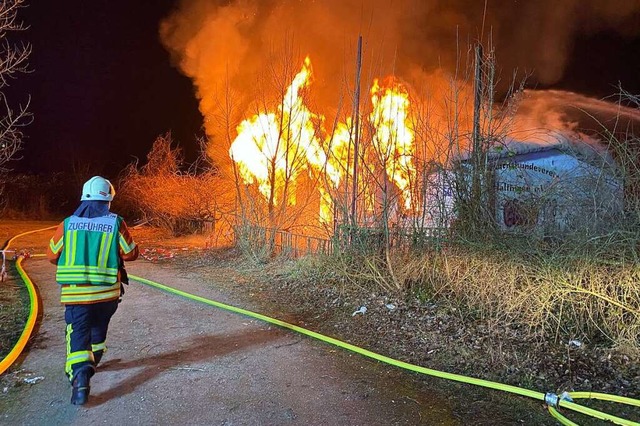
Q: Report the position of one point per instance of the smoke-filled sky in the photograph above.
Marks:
(103, 84)
(536, 36)
(226, 45)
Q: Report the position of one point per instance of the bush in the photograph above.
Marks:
(182, 202)
(29, 196)
(556, 295)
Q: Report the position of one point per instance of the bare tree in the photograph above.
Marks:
(13, 61)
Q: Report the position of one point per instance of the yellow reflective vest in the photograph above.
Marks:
(89, 260)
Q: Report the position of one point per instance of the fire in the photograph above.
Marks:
(393, 137)
(256, 152)
(272, 149)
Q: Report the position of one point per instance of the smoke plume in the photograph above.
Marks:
(226, 44)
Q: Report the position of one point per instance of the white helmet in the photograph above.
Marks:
(97, 189)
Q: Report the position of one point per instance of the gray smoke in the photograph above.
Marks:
(229, 42)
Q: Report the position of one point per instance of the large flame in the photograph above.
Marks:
(393, 137)
(273, 148)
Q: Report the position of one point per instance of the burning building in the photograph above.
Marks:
(277, 87)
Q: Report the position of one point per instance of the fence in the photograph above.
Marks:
(362, 239)
(284, 242)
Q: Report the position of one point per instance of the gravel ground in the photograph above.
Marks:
(428, 333)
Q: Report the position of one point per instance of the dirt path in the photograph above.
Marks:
(174, 361)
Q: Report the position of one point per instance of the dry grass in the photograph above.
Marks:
(13, 315)
(555, 297)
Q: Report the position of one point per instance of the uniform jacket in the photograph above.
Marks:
(89, 253)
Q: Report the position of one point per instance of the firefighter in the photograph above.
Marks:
(90, 248)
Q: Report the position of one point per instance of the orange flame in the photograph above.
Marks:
(273, 148)
(393, 137)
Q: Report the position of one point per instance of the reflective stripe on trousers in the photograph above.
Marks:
(86, 334)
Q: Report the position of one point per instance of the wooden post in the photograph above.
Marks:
(354, 194)
(476, 153)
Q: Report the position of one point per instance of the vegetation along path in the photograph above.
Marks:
(171, 360)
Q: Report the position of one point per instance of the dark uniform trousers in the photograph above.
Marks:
(86, 335)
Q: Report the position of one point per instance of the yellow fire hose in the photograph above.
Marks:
(552, 400)
(33, 307)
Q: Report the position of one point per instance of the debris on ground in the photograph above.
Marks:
(157, 254)
(362, 310)
(32, 380)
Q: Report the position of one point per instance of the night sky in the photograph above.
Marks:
(601, 61)
(103, 87)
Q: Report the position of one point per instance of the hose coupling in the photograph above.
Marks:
(551, 399)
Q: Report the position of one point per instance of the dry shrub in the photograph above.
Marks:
(38, 196)
(555, 297)
(585, 299)
(181, 201)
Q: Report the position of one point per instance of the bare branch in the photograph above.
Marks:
(13, 61)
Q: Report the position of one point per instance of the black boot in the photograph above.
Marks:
(80, 391)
